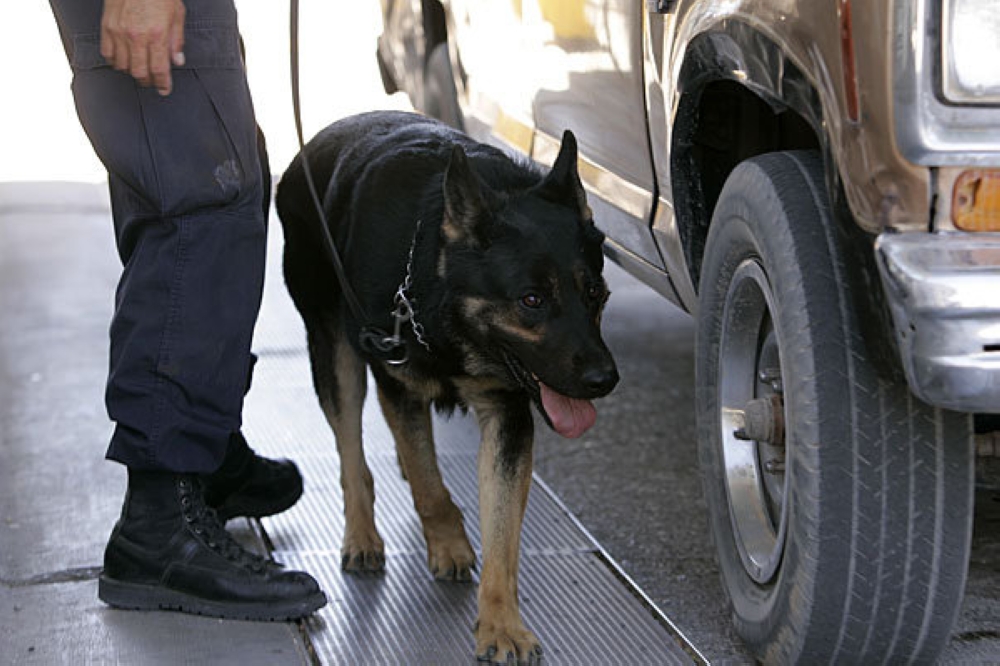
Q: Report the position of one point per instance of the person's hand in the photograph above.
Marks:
(144, 38)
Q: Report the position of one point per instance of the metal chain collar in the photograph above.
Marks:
(405, 311)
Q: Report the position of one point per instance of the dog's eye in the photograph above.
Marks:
(532, 300)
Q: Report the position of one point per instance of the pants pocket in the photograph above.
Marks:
(193, 149)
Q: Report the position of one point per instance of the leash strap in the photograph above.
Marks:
(338, 265)
(375, 341)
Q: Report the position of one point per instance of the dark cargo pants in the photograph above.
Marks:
(188, 176)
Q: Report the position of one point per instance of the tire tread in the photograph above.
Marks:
(884, 495)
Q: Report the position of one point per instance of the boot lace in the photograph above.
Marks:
(207, 527)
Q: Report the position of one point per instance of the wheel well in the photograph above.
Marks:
(722, 125)
(435, 26)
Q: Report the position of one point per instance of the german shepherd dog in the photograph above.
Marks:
(500, 265)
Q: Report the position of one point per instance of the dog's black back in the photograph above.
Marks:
(379, 174)
(487, 228)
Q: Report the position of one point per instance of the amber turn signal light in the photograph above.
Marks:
(975, 202)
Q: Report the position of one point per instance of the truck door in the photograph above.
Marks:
(538, 67)
(590, 64)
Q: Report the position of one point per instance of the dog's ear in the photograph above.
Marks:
(563, 181)
(464, 204)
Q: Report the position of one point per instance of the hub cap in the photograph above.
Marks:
(752, 422)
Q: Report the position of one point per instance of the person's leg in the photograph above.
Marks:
(186, 184)
(187, 193)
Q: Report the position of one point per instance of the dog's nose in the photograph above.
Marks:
(600, 379)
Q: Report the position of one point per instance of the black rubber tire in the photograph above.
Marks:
(878, 487)
(389, 84)
(440, 94)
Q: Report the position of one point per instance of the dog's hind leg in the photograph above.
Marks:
(341, 384)
(449, 555)
(505, 461)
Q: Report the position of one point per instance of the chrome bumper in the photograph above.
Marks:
(944, 293)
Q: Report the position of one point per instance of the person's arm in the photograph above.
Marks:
(144, 38)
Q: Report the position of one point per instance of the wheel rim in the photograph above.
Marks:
(750, 370)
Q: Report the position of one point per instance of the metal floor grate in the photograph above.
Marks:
(577, 602)
(581, 610)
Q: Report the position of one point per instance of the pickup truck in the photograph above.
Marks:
(817, 182)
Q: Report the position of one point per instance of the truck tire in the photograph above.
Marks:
(840, 506)
(440, 94)
(389, 84)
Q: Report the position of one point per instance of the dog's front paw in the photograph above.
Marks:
(449, 555)
(362, 555)
(453, 563)
(512, 644)
(452, 560)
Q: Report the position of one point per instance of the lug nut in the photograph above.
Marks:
(763, 421)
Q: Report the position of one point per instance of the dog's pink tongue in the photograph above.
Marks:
(570, 417)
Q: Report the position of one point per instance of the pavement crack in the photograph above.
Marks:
(974, 636)
(74, 575)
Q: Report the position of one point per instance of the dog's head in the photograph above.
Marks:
(526, 271)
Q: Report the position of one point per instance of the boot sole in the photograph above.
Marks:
(135, 596)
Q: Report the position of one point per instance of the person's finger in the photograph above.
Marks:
(120, 47)
(114, 48)
(177, 37)
(122, 53)
(107, 46)
(159, 67)
(138, 61)
(108, 17)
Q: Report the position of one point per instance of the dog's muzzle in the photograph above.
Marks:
(570, 417)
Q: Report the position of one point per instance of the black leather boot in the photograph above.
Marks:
(169, 551)
(247, 484)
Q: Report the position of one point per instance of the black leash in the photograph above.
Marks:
(390, 348)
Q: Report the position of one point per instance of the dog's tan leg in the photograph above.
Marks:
(449, 555)
(505, 461)
(362, 549)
